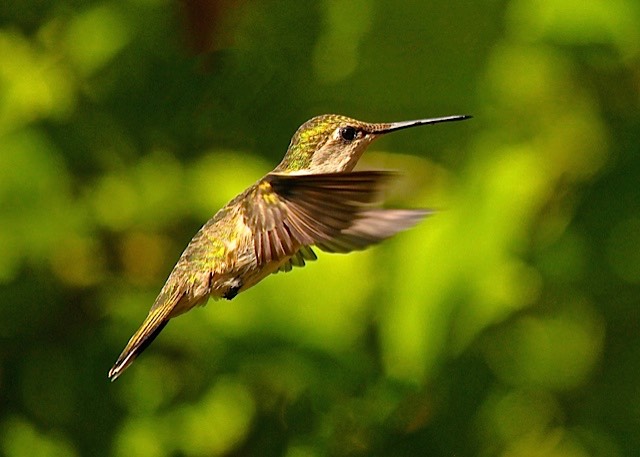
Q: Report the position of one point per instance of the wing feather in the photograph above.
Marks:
(372, 227)
(289, 212)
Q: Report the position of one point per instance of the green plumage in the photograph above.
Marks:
(312, 198)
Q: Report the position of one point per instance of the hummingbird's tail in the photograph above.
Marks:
(157, 318)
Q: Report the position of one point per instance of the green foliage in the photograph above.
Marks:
(505, 325)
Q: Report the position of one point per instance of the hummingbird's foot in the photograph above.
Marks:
(233, 290)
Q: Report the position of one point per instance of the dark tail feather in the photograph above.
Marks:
(149, 330)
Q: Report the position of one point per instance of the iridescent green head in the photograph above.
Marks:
(332, 143)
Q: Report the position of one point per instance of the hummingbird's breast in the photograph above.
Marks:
(229, 253)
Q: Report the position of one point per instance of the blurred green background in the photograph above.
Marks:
(506, 325)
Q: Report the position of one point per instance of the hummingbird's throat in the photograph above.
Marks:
(338, 157)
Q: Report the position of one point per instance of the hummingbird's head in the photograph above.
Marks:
(332, 143)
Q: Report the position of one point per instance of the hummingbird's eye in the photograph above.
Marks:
(348, 133)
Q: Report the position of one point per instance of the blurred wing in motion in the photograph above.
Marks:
(288, 213)
(372, 227)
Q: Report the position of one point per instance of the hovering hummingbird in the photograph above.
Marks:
(312, 198)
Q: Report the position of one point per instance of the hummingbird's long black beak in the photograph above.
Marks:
(394, 126)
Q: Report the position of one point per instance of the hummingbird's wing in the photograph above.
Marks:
(371, 227)
(287, 212)
(299, 259)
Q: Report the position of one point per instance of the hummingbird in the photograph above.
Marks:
(312, 199)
